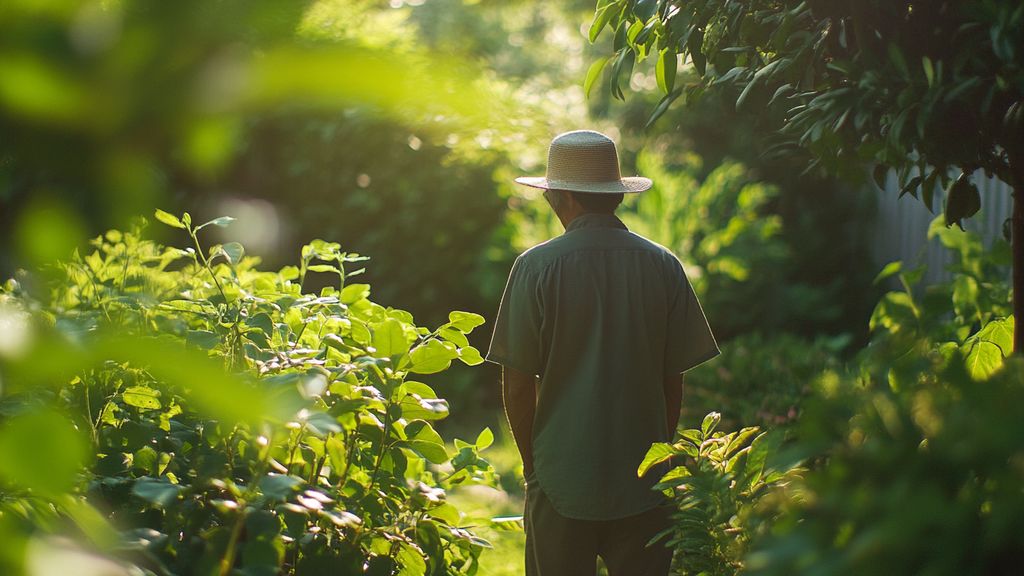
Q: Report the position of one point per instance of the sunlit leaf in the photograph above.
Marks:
(169, 219)
(657, 454)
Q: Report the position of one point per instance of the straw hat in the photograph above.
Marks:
(585, 161)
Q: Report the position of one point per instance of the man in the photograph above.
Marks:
(593, 333)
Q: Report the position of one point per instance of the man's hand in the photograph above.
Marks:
(519, 391)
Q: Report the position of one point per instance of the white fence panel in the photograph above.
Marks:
(901, 228)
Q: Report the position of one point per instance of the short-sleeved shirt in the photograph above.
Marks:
(602, 316)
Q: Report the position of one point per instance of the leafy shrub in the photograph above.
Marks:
(206, 417)
(717, 487)
(925, 480)
(759, 380)
(916, 459)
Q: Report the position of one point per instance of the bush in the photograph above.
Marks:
(717, 486)
(190, 414)
(916, 458)
(759, 380)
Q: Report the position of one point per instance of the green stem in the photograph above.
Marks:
(206, 263)
(383, 446)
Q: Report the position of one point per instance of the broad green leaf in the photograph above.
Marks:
(425, 408)
(593, 73)
(657, 454)
(984, 360)
(454, 336)
(446, 513)
(336, 453)
(432, 356)
(233, 251)
(142, 397)
(484, 439)
(422, 430)
(158, 491)
(465, 321)
(601, 18)
(470, 356)
(1000, 333)
(169, 219)
(322, 424)
(222, 222)
(432, 451)
(202, 338)
(963, 200)
(389, 338)
(279, 486)
(410, 560)
(710, 422)
(354, 293)
(665, 70)
(890, 269)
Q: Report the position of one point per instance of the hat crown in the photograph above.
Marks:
(582, 156)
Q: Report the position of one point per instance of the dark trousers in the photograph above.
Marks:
(560, 546)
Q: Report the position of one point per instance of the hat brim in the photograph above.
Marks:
(628, 185)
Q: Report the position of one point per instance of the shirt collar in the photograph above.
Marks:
(590, 220)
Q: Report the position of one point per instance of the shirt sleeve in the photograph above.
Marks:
(516, 342)
(690, 341)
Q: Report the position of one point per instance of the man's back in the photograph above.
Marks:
(603, 316)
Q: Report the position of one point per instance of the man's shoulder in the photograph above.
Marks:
(537, 257)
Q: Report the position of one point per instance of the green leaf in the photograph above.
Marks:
(321, 424)
(432, 356)
(470, 356)
(323, 268)
(425, 408)
(202, 338)
(279, 486)
(354, 293)
(169, 219)
(710, 423)
(336, 453)
(432, 451)
(963, 200)
(593, 73)
(223, 222)
(410, 558)
(142, 397)
(465, 321)
(657, 454)
(601, 18)
(157, 491)
(389, 338)
(665, 70)
(484, 439)
(890, 269)
(422, 430)
(984, 360)
(233, 251)
(454, 336)
(929, 70)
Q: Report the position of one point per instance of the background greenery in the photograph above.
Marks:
(394, 132)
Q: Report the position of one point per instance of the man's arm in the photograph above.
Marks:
(673, 385)
(519, 391)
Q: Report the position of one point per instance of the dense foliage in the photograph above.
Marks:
(719, 482)
(933, 89)
(206, 417)
(908, 458)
